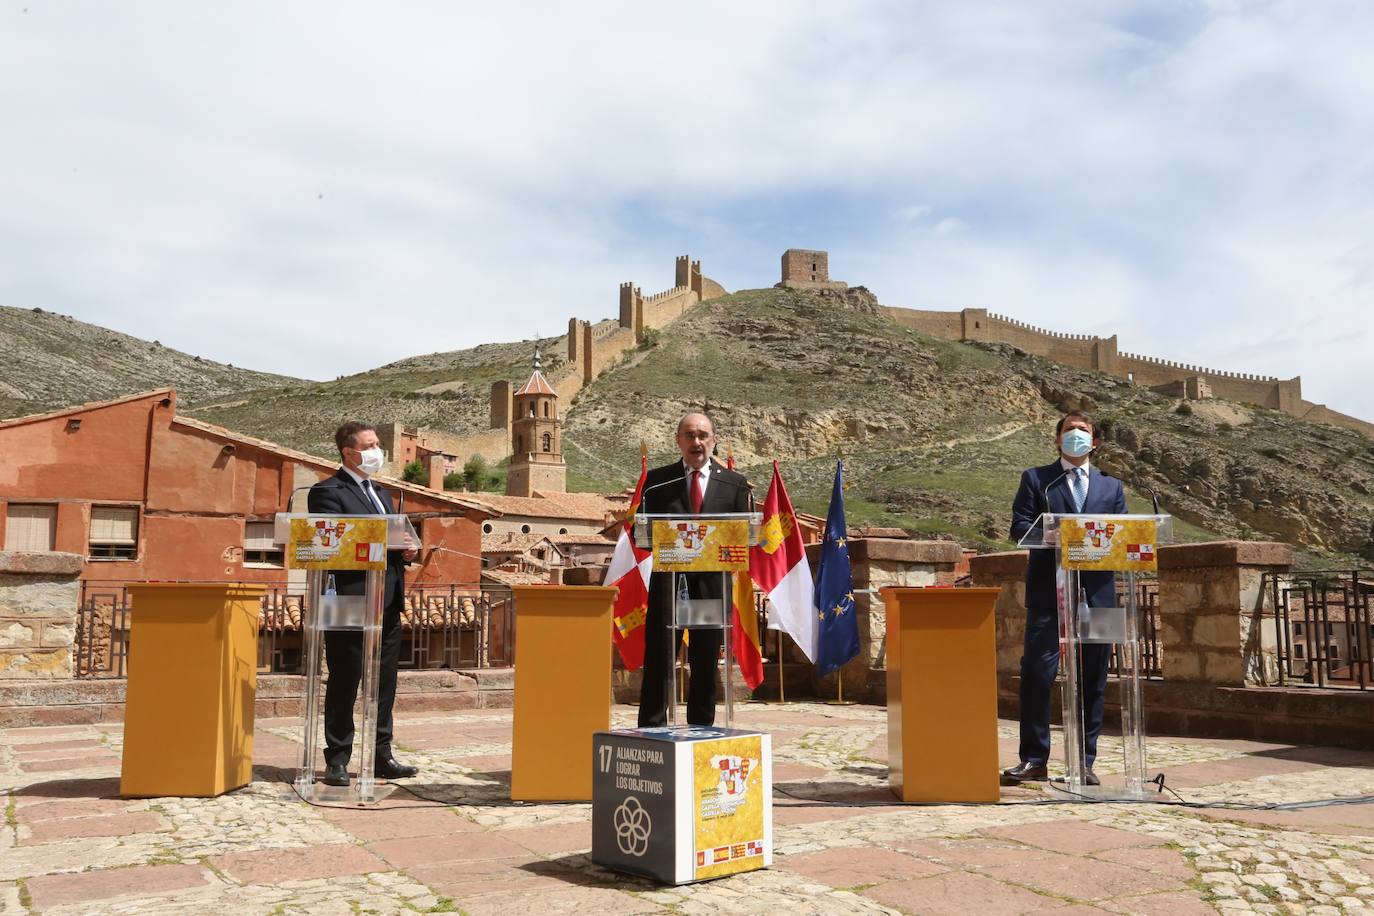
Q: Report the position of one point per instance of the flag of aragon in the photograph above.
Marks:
(629, 572)
(778, 565)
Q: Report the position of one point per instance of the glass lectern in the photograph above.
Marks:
(323, 545)
(700, 544)
(1123, 544)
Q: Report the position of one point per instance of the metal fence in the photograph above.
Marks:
(442, 626)
(1147, 603)
(1323, 627)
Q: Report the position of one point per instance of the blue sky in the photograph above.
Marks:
(320, 188)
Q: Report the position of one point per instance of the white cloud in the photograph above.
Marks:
(258, 182)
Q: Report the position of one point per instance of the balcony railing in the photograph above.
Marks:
(1323, 627)
(442, 626)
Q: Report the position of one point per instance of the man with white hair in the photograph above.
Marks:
(696, 485)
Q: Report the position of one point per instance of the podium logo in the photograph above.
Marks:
(632, 827)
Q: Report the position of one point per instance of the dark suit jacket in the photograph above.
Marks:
(665, 491)
(341, 495)
(1105, 496)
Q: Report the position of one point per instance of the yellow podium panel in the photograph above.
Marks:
(562, 689)
(188, 716)
(942, 694)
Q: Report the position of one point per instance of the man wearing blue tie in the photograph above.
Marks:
(1068, 485)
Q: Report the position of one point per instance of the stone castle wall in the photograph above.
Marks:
(1100, 354)
(594, 347)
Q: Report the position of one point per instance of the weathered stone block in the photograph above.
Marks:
(1218, 630)
(989, 568)
(1180, 593)
(27, 596)
(1222, 591)
(865, 550)
(38, 663)
(1225, 553)
(16, 634)
(1181, 665)
(52, 564)
(58, 634)
(1223, 668)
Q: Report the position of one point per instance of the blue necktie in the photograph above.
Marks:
(1079, 487)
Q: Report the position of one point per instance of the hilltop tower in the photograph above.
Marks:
(804, 268)
(536, 438)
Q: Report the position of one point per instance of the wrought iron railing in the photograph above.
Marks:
(1322, 628)
(1147, 604)
(442, 626)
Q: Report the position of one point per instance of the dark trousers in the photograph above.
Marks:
(1039, 667)
(344, 651)
(703, 651)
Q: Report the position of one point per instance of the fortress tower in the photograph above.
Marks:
(536, 439)
(803, 268)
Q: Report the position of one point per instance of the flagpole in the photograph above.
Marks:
(782, 681)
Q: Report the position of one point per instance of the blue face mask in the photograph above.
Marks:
(1076, 443)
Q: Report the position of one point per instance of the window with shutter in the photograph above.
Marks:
(114, 532)
(259, 548)
(31, 527)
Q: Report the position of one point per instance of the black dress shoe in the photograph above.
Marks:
(336, 774)
(1024, 772)
(389, 768)
(1090, 778)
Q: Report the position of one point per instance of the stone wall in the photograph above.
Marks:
(1100, 354)
(39, 595)
(1216, 649)
(1211, 608)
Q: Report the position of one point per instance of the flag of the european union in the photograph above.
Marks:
(838, 640)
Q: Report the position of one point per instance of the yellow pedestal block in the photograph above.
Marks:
(942, 694)
(562, 689)
(188, 717)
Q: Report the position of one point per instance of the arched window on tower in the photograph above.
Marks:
(548, 442)
(546, 408)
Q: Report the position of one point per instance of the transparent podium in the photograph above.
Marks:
(1121, 544)
(325, 545)
(699, 544)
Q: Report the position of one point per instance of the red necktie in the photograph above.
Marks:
(697, 495)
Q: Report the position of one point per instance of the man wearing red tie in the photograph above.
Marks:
(696, 485)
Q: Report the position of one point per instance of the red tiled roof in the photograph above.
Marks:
(591, 507)
(82, 408)
(537, 385)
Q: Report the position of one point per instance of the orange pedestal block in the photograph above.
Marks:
(942, 694)
(188, 716)
(562, 689)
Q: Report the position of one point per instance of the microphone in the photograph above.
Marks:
(1154, 498)
(680, 481)
(1045, 493)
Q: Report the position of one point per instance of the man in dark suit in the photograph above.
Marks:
(351, 492)
(696, 485)
(1066, 486)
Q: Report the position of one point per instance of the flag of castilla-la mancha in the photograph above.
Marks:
(629, 572)
(779, 568)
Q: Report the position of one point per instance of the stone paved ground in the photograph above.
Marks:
(455, 843)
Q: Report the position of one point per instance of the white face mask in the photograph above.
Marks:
(371, 461)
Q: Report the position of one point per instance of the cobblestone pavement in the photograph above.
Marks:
(453, 842)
